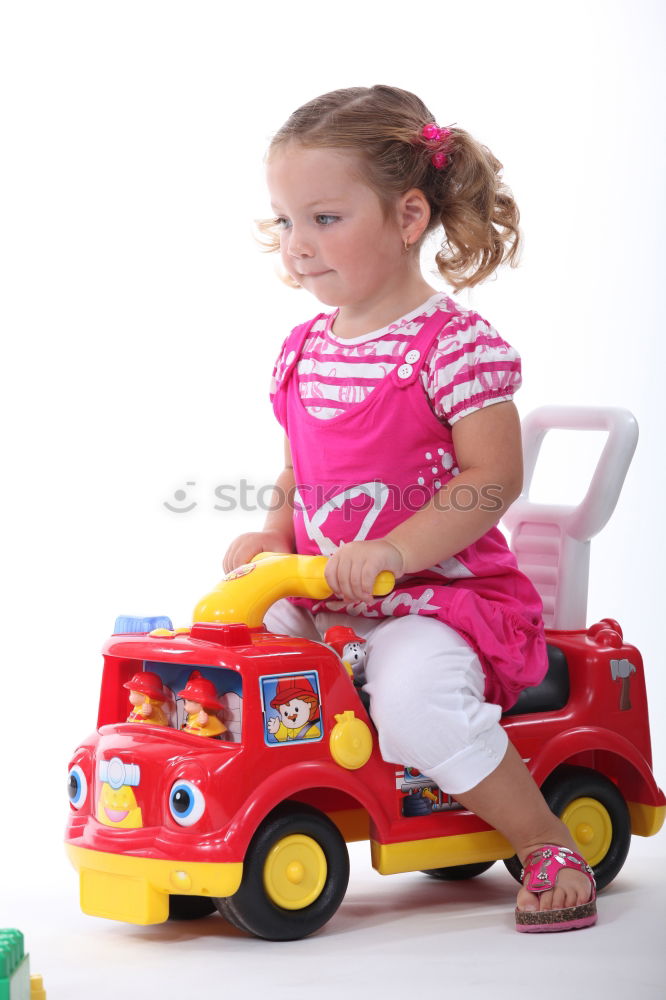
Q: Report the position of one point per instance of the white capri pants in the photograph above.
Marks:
(425, 684)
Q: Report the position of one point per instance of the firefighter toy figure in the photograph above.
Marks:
(201, 705)
(147, 698)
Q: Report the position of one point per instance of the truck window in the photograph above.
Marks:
(219, 693)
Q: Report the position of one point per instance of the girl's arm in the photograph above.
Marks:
(280, 520)
(488, 448)
(278, 533)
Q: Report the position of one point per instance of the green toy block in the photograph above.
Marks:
(14, 966)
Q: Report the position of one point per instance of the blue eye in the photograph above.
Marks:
(321, 219)
(77, 786)
(186, 803)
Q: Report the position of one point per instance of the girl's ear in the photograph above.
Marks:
(413, 214)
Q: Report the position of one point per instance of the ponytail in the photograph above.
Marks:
(476, 211)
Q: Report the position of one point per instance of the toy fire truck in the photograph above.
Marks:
(230, 766)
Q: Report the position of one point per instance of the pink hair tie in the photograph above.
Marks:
(434, 135)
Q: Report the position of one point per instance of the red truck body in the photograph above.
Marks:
(600, 729)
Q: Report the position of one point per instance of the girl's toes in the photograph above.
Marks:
(574, 887)
(560, 898)
(573, 891)
(546, 900)
(531, 901)
(574, 898)
(584, 891)
(527, 900)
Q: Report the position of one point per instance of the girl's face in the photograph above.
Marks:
(334, 239)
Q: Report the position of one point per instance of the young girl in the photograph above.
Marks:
(403, 451)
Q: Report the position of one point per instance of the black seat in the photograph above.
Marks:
(548, 696)
(553, 691)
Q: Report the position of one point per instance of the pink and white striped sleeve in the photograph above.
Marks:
(469, 367)
(278, 370)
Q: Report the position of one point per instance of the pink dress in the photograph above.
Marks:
(363, 472)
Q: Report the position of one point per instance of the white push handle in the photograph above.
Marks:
(596, 507)
(551, 541)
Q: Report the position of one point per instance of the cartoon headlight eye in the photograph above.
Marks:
(77, 786)
(186, 803)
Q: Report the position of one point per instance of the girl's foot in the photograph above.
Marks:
(572, 887)
(510, 801)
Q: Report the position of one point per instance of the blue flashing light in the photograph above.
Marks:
(129, 625)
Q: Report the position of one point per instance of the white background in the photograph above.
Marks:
(140, 324)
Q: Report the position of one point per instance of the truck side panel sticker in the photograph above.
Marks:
(419, 795)
(291, 705)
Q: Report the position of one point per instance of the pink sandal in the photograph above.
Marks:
(540, 879)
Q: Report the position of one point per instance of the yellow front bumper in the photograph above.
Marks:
(136, 890)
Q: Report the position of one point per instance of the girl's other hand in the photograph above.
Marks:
(247, 546)
(352, 569)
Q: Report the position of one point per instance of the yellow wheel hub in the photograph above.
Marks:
(295, 872)
(591, 827)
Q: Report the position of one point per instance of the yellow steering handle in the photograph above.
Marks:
(245, 595)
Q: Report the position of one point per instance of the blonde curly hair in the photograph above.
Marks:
(467, 197)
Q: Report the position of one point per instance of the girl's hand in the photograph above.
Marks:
(352, 570)
(247, 546)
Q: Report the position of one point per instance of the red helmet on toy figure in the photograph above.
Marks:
(148, 683)
(348, 646)
(202, 691)
(340, 636)
(293, 687)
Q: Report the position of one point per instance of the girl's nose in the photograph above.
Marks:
(298, 245)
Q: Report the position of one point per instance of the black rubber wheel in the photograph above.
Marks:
(225, 910)
(190, 907)
(457, 873)
(295, 875)
(600, 826)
